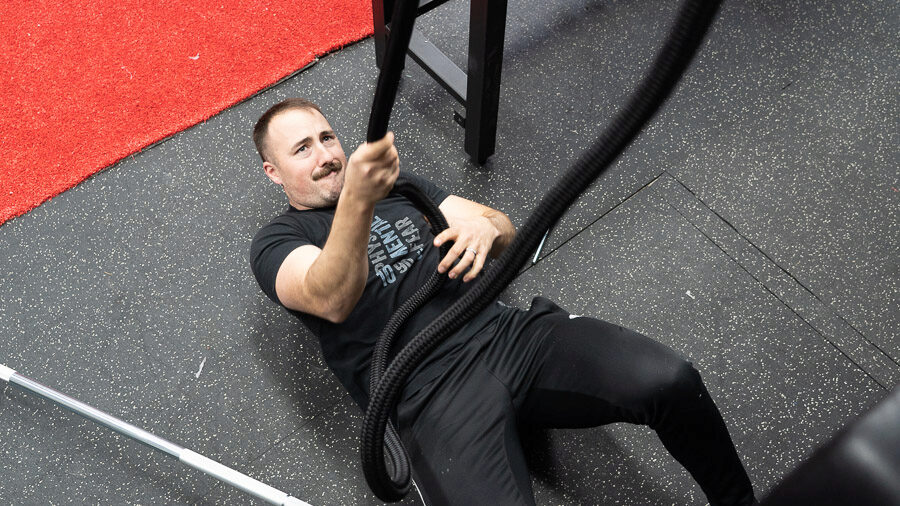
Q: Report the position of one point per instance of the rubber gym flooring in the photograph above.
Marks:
(753, 227)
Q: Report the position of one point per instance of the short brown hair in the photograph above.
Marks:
(261, 130)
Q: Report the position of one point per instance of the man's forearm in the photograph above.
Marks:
(338, 276)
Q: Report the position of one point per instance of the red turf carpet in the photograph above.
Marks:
(85, 83)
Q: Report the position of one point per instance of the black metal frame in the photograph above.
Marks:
(479, 89)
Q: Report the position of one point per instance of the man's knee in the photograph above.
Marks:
(679, 384)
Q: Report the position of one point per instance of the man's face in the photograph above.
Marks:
(306, 158)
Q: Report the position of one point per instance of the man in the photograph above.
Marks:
(344, 255)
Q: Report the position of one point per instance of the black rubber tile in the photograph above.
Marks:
(215, 415)
(568, 68)
(55, 457)
(811, 179)
(319, 464)
(782, 388)
(829, 324)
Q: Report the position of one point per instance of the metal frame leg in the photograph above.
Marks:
(481, 92)
(487, 23)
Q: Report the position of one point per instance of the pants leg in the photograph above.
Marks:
(463, 441)
(593, 373)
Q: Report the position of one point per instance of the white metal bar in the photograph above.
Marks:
(188, 457)
(237, 479)
(95, 415)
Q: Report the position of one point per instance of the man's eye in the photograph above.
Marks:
(327, 138)
(301, 149)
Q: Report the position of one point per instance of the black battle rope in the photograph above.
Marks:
(692, 22)
(397, 457)
(404, 18)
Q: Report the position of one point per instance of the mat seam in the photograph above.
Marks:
(761, 283)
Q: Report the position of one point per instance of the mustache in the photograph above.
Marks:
(333, 166)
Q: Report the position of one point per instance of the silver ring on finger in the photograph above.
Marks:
(473, 251)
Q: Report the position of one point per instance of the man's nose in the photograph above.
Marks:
(325, 156)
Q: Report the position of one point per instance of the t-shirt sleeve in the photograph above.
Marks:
(271, 245)
(434, 192)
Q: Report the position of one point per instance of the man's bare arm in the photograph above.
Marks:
(328, 282)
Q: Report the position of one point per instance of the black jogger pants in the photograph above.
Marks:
(546, 368)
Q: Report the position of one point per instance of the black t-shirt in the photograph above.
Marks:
(401, 257)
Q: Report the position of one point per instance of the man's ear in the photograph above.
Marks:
(272, 173)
